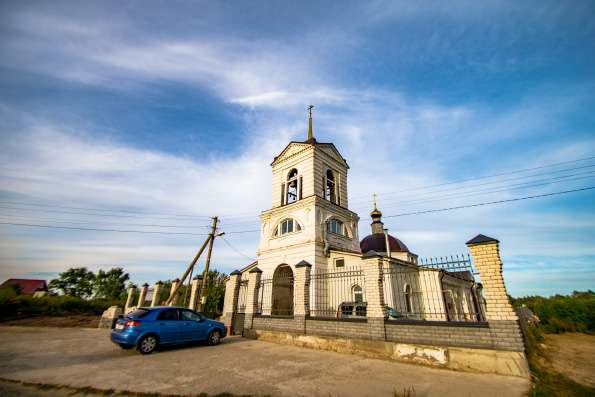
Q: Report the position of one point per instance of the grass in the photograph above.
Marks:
(406, 392)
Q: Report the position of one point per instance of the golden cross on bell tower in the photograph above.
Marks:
(310, 135)
(374, 198)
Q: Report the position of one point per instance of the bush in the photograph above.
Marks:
(7, 294)
(563, 313)
(12, 306)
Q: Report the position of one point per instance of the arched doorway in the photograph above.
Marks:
(282, 291)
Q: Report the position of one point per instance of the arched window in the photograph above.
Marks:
(408, 305)
(287, 226)
(358, 295)
(330, 192)
(292, 187)
(336, 226)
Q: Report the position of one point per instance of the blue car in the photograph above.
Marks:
(148, 327)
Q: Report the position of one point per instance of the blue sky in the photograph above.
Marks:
(172, 111)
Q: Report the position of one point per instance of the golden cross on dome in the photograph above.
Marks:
(374, 198)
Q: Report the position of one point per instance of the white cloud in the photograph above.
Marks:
(392, 141)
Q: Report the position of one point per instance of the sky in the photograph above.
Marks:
(153, 116)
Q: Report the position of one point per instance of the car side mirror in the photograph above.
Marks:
(202, 320)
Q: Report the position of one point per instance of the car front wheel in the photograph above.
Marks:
(147, 344)
(214, 338)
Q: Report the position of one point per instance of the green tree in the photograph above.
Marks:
(76, 281)
(183, 291)
(214, 292)
(110, 284)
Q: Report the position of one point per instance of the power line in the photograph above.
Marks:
(235, 249)
(132, 213)
(499, 181)
(257, 230)
(135, 215)
(67, 221)
(484, 177)
(100, 230)
(4, 222)
(489, 203)
(119, 212)
(542, 182)
(99, 209)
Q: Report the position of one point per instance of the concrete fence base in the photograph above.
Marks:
(510, 363)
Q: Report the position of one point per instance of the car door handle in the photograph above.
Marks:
(161, 323)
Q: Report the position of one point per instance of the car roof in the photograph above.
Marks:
(161, 307)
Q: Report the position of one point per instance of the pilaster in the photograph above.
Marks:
(174, 285)
(230, 303)
(142, 295)
(254, 277)
(156, 291)
(503, 321)
(301, 289)
(376, 309)
(485, 252)
(194, 292)
(131, 290)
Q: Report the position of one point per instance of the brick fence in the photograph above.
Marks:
(499, 333)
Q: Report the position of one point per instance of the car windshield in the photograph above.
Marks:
(139, 313)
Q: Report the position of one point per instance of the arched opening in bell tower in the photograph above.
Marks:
(292, 187)
(330, 189)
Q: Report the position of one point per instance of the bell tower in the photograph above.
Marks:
(309, 215)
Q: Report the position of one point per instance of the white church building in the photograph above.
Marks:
(310, 223)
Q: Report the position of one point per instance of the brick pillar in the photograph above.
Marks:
(230, 303)
(174, 284)
(486, 258)
(503, 321)
(156, 291)
(194, 292)
(131, 289)
(376, 310)
(301, 295)
(142, 295)
(252, 298)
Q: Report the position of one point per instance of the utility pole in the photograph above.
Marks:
(209, 241)
(205, 274)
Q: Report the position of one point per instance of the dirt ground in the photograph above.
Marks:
(83, 357)
(80, 320)
(573, 354)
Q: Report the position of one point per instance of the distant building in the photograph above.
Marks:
(27, 286)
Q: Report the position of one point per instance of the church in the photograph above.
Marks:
(310, 224)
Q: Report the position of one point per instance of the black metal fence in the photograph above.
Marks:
(441, 289)
(430, 294)
(454, 263)
(338, 294)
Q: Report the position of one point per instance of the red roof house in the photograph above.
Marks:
(26, 286)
